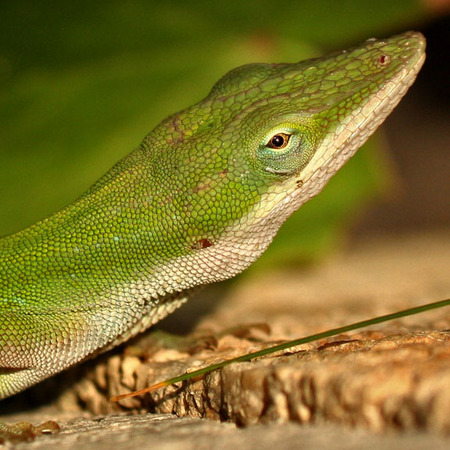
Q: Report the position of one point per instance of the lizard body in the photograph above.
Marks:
(196, 203)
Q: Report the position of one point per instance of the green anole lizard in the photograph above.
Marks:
(197, 202)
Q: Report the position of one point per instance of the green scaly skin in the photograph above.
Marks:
(197, 202)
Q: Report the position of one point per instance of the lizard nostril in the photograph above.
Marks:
(384, 59)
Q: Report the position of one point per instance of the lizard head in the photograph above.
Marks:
(302, 122)
(267, 138)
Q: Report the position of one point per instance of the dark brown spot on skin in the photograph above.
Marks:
(299, 183)
(201, 243)
(224, 173)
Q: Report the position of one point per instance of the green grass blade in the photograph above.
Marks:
(276, 348)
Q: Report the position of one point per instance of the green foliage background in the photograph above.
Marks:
(82, 82)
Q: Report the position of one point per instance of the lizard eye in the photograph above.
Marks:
(285, 149)
(278, 141)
